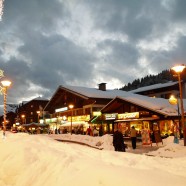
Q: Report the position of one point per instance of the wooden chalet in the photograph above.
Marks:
(142, 111)
(87, 103)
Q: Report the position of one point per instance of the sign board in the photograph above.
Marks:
(97, 113)
(79, 118)
(130, 115)
(61, 109)
(110, 116)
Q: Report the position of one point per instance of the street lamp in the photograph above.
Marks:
(38, 113)
(179, 69)
(5, 84)
(71, 107)
(174, 101)
(23, 118)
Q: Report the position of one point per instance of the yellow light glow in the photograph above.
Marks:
(71, 106)
(178, 68)
(173, 100)
(6, 83)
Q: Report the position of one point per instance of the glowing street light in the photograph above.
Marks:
(23, 118)
(71, 107)
(5, 84)
(38, 113)
(174, 101)
(179, 69)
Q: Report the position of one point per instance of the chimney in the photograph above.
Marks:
(102, 86)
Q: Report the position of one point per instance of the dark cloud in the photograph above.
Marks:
(179, 10)
(45, 43)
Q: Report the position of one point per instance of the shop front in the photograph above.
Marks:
(79, 124)
(165, 127)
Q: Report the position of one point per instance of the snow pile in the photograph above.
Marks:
(37, 160)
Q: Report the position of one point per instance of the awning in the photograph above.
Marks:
(139, 119)
(35, 125)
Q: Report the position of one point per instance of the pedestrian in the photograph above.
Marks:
(176, 133)
(145, 136)
(58, 130)
(100, 131)
(133, 134)
(118, 141)
(89, 131)
(95, 131)
(4, 135)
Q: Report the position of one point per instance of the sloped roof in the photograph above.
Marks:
(155, 86)
(37, 99)
(159, 105)
(87, 93)
(95, 93)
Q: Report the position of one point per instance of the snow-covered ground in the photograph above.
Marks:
(40, 160)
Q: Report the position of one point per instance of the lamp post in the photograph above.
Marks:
(23, 118)
(174, 101)
(38, 113)
(5, 84)
(71, 107)
(178, 69)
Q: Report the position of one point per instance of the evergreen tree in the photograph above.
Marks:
(163, 77)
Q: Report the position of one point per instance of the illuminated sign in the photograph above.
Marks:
(53, 119)
(128, 115)
(96, 113)
(79, 118)
(61, 109)
(110, 116)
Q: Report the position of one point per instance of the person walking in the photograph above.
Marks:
(133, 134)
(118, 141)
(100, 131)
(89, 131)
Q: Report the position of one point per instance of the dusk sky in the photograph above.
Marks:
(47, 43)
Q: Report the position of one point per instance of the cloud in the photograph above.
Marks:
(44, 44)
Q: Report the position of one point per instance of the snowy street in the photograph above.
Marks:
(36, 160)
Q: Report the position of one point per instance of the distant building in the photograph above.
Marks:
(161, 90)
(31, 111)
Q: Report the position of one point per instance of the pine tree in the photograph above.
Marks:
(163, 77)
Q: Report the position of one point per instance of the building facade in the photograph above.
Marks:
(31, 111)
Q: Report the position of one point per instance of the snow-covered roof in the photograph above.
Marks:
(37, 99)
(155, 86)
(159, 105)
(96, 93)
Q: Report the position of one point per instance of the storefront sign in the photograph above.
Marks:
(53, 119)
(96, 113)
(110, 116)
(79, 118)
(61, 109)
(131, 115)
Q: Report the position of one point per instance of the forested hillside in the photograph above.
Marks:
(163, 77)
